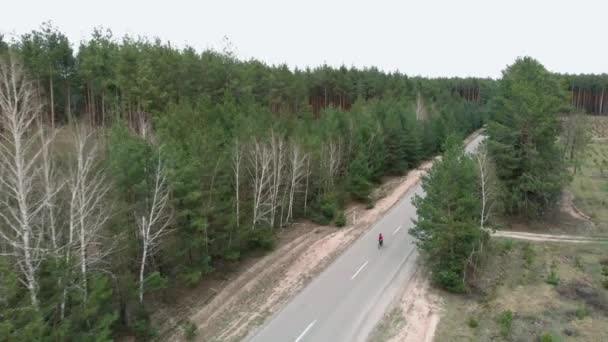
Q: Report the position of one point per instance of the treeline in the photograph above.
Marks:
(105, 76)
(144, 168)
(588, 93)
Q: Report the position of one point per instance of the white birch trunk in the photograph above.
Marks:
(154, 222)
(22, 204)
(260, 158)
(88, 210)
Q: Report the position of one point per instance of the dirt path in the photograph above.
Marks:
(567, 206)
(414, 314)
(547, 237)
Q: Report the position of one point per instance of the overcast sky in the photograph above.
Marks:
(425, 37)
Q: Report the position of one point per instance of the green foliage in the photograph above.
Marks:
(548, 337)
(340, 220)
(143, 329)
(581, 312)
(507, 245)
(505, 321)
(131, 162)
(191, 167)
(90, 319)
(359, 184)
(48, 56)
(522, 138)
(473, 323)
(97, 317)
(528, 254)
(605, 274)
(327, 209)
(190, 331)
(154, 281)
(262, 239)
(578, 263)
(447, 230)
(553, 278)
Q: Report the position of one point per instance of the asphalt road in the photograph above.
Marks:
(346, 301)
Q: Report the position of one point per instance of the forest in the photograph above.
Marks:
(132, 168)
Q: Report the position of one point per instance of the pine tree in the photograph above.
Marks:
(397, 152)
(412, 145)
(447, 230)
(523, 135)
(359, 175)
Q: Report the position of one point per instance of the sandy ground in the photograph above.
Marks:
(567, 206)
(421, 310)
(247, 301)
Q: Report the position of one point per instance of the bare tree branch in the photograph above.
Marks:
(88, 212)
(154, 222)
(20, 159)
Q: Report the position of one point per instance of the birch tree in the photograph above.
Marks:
(331, 161)
(278, 165)
(260, 163)
(20, 153)
(236, 168)
(307, 176)
(52, 184)
(297, 161)
(154, 222)
(88, 210)
(487, 184)
(488, 188)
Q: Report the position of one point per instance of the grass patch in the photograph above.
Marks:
(582, 312)
(528, 254)
(473, 323)
(578, 263)
(505, 321)
(340, 220)
(549, 337)
(507, 245)
(553, 278)
(573, 310)
(190, 331)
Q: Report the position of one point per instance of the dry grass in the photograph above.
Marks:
(389, 326)
(599, 127)
(576, 306)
